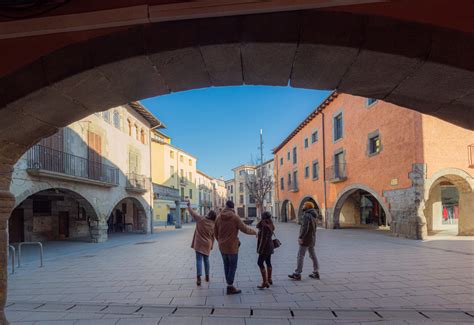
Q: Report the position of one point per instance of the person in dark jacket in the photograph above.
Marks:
(265, 249)
(307, 241)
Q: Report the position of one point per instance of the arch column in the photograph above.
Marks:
(98, 228)
(7, 202)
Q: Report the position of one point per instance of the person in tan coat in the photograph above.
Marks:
(203, 241)
(228, 225)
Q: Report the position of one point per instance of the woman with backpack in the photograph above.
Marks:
(265, 249)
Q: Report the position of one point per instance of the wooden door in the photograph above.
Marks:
(63, 224)
(16, 226)
(94, 155)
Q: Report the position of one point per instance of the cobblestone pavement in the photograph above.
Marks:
(366, 276)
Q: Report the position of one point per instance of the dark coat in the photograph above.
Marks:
(226, 230)
(265, 242)
(308, 228)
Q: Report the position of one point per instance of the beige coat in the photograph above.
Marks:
(203, 239)
(226, 230)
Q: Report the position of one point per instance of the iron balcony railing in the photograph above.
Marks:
(336, 173)
(43, 158)
(294, 187)
(137, 182)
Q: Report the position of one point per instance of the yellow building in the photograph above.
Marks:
(174, 168)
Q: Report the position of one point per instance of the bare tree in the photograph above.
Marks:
(259, 187)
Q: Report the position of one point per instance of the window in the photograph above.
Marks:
(182, 193)
(295, 158)
(314, 137)
(295, 179)
(306, 143)
(337, 127)
(106, 116)
(232, 189)
(339, 170)
(269, 197)
(129, 127)
(137, 133)
(242, 172)
(251, 199)
(172, 171)
(289, 179)
(171, 154)
(374, 145)
(315, 170)
(289, 156)
(142, 136)
(306, 172)
(282, 183)
(181, 158)
(370, 101)
(42, 207)
(117, 120)
(190, 193)
(191, 176)
(241, 187)
(181, 173)
(190, 162)
(241, 199)
(281, 161)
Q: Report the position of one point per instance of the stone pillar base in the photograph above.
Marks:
(7, 201)
(99, 233)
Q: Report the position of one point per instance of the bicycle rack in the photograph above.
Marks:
(30, 243)
(12, 253)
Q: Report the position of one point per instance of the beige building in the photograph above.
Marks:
(176, 169)
(90, 179)
(220, 194)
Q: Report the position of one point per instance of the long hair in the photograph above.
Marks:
(212, 215)
(266, 221)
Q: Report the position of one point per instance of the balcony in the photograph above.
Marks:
(183, 181)
(336, 173)
(162, 192)
(47, 162)
(137, 183)
(293, 187)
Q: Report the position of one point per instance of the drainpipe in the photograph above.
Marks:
(151, 183)
(324, 171)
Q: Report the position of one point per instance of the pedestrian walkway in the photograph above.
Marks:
(57, 313)
(360, 271)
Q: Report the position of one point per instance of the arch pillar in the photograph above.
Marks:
(98, 228)
(7, 201)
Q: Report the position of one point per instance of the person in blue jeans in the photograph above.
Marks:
(203, 241)
(228, 225)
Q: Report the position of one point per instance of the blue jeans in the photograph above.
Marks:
(199, 258)
(230, 267)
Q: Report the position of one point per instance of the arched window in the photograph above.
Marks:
(129, 127)
(137, 133)
(106, 116)
(142, 136)
(117, 120)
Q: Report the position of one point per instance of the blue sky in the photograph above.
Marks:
(221, 125)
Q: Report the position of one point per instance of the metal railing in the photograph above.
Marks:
(137, 182)
(41, 157)
(336, 173)
(183, 181)
(12, 254)
(30, 243)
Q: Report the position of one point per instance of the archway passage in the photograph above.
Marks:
(358, 208)
(288, 211)
(449, 209)
(53, 214)
(128, 216)
(307, 199)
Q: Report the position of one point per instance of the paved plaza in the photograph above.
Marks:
(366, 276)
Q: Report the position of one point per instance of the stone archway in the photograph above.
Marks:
(288, 211)
(449, 203)
(366, 197)
(306, 199)
(47, 213)
(129, 214)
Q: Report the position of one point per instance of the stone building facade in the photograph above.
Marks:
(367, 163)
(86, 181)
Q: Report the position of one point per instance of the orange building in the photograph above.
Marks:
(368, 163)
